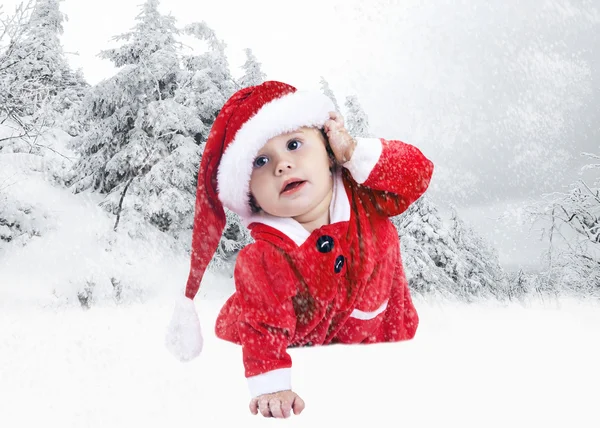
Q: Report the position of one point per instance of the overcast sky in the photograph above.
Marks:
(502, 95)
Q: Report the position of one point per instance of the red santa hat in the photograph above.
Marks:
(251, 117)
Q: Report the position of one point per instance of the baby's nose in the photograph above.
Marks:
(283, 166)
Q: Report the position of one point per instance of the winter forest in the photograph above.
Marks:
(97, 191)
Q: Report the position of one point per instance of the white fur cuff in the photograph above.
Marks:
(365, 157)
(184, 335)
(269, 382)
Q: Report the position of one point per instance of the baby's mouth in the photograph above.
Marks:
(292, 186)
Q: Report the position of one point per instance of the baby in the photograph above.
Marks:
(325, 266)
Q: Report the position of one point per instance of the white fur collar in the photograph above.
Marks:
(339, 210)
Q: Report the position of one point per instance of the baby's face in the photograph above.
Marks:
(300, 157)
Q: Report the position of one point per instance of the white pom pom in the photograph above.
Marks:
(184, 335)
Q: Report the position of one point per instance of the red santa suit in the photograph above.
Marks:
(342, 283)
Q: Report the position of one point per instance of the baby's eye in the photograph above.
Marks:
(294, 145)
(260, 161)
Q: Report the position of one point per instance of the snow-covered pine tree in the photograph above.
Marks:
(329, 93)
(140, 148)
(36, 80)
(253, 74)
(12, 29)
(429, 253)
(148, 125)
(479, 271)
(357, 122)
(450, 261)
(208, 82)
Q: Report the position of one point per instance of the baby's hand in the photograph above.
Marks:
(277, 405)
(341, 143)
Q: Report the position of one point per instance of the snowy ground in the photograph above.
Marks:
(469, 366)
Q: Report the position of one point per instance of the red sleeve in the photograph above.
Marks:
(396, 173)
(267, 320)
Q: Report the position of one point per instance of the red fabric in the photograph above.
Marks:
(289, 295)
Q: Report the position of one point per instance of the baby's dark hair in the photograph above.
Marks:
(252, 201)
(253, 205)
(328, 147)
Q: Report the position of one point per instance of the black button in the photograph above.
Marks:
(339, 264)
(325, 244)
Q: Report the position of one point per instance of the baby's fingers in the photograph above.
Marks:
(286, 408)
(254, 406)
(331, 125)
(298, 405)
(275, 406)
(263, 406)
(337, 117)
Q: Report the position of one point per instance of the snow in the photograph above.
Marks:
(76, 244)
(468, 366)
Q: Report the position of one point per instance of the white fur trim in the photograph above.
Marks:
(184, 335)
(361, 315)
(269, 382)
(365, 157)
(339, 210)
(280, 116)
